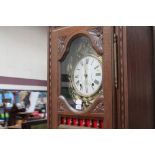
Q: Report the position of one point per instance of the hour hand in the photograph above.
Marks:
(85, 71)
(86, 84)
(86, 87)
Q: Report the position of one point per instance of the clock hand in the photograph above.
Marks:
(81, 86)
(85, 81)
(87, 85)
(85, 71)
(85, 76)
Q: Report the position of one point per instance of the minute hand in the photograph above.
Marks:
(86, 78)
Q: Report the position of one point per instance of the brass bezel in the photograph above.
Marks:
(87, 100)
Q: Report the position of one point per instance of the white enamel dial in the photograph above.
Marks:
(87, 76)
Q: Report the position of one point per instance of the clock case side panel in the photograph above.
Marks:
(141, 111)
(135, 107)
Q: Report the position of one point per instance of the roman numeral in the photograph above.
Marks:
(98, 74)
(96, 67)
(77, 82)
(96, 82)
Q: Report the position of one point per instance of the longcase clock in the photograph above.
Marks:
(80, 77)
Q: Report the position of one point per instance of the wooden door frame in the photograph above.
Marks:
(122, 90)
(108, 75)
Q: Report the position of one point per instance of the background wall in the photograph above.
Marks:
(23, 54)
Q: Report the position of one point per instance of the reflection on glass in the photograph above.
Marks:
(81, 74)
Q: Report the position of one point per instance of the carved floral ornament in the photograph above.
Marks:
(61, 43)
(96, 36)
(99, 108)
(62, 105)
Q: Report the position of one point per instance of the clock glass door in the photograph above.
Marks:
(80, 77)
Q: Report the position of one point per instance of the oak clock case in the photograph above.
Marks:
(80, 87)
(81, 74)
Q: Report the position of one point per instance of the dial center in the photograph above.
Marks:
(86, 75)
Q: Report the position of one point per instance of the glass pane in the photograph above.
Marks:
(81, 74)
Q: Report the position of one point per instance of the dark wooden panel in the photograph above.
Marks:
(154, 68)
(140, 77)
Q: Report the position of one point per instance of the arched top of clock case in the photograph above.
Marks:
(94, 35)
